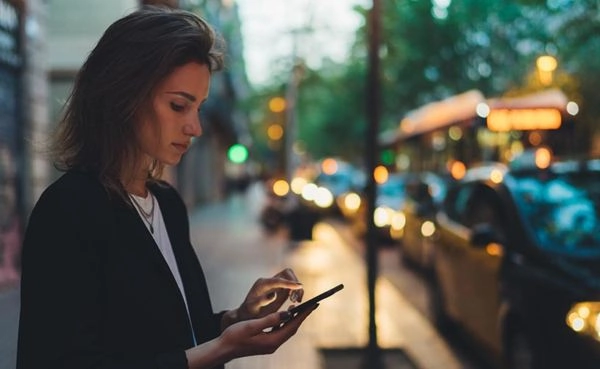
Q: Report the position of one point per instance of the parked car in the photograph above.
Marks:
(337, 182)
(425, 193)
(285, 208)
(517, 263)
(388, 216)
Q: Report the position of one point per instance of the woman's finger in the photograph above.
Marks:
(297, 294)
(267, 285)
(269, 298)
(287, 273)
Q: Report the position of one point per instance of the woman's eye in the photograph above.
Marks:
(177, 107)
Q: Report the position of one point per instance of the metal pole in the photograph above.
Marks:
(373, 357)
(291, 129)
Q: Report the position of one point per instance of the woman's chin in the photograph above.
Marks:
(172, 160)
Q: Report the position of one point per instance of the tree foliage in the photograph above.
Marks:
(430, 52)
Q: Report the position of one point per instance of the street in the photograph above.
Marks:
(235, 251)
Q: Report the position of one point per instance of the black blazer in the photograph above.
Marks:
(97, 293)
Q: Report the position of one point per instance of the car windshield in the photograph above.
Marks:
(562, 210)
(337, 183)
(393, 187)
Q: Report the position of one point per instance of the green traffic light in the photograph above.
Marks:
(237, 153)
(387, 157)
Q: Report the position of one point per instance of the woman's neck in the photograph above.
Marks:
(134, 178)
(137, 187)
(136, 184)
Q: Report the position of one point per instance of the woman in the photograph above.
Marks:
(109, 277)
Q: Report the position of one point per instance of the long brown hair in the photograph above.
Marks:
(97, 131)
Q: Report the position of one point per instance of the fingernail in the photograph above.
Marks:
(284, 315)
(295, 296)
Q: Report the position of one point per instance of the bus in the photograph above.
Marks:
(436, 144)
(457, 132)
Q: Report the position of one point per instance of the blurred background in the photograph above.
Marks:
(462, 84)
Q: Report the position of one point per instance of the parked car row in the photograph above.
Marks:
(515, 262)
(512, 253)
(310, 194)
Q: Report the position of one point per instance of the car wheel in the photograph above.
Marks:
(519, 351)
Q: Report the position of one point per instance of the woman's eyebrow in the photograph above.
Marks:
(184, 94)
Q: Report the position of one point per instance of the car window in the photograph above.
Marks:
(337, 183)
(455, 205)
(484, 206)
(392, 187)
(562, 211)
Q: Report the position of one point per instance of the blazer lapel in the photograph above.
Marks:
(144, 242)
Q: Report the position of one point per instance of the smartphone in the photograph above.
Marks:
(312, 302)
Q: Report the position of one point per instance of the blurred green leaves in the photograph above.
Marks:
(432, 49)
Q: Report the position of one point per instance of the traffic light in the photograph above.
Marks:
(237, 153)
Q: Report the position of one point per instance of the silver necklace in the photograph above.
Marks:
(147, 216)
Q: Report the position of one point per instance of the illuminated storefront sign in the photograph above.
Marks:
(504, 120)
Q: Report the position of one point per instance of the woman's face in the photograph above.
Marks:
(166, 130)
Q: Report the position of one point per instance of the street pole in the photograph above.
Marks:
(373, 357)
(291, 128)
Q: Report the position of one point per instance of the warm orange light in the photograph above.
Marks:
(329, 166)
(298, 184)
(503, 120)
(380, 174)
(535, 138)
(352, 201)
(281, 187)
(496, 176)
(543, 157)
(458, 169)
(277, 104)
(494, 249)
(546, 64)
(275, 132)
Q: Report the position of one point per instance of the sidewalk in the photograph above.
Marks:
(234, 252)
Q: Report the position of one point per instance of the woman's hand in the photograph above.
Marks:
(246, 338)
(260, 336)
(266, 296)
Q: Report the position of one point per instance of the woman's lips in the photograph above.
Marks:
(181, 147)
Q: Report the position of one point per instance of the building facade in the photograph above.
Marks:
(23, 113)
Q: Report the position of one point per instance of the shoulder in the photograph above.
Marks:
(73, 188)
(72, 193)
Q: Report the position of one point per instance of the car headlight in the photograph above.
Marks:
(382, 216)
(584, 318)
(309, 191)
(323, 197)
(398, 221)
(352, 201)
(427, 228)
(298, 184)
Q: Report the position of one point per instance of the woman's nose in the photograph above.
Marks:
(193, 128)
